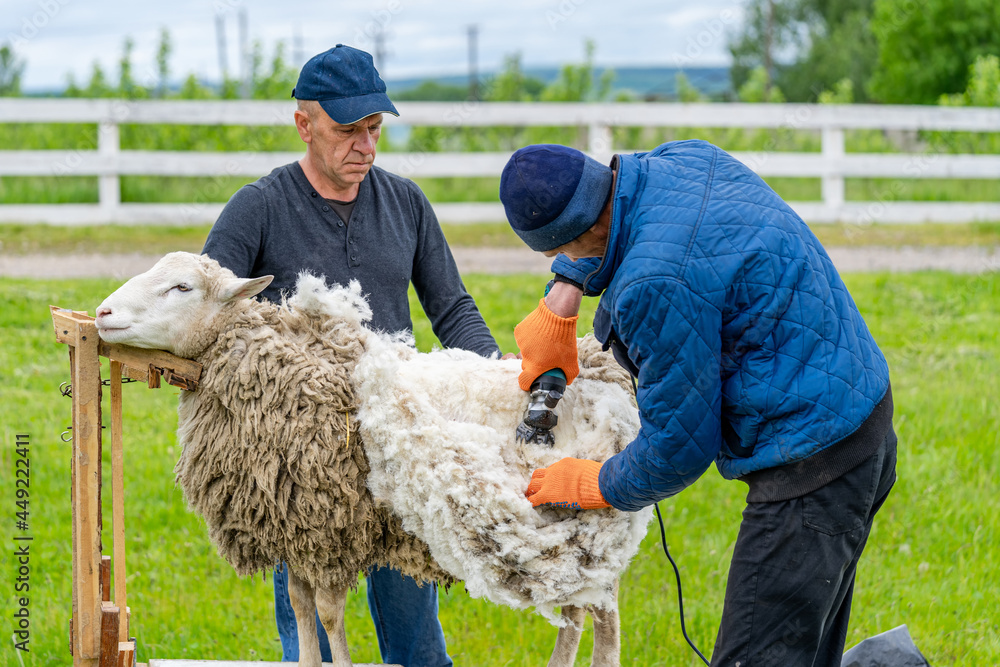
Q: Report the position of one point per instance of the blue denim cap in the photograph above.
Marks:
(552, 194)
(345, 83)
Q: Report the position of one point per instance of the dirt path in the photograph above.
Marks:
(516, 260)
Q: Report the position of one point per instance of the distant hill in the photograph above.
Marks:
(649, 83)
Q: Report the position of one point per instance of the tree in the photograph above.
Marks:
(126, 82)
(686, 91)
(841, 45)
(771, 31)
(512, 84)
(575, 83)
(984, 85)
(842, 93)
(98, 85)
(163, 62)
(805, 46)
(925, 49)
(279, 82)
(11, 69)
(756, 89)
(432, 91)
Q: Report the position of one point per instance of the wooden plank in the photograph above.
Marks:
(432, 165)
(179, 371)
(137, 374)
(86, 491)
(109, 635)
(126, 654)
(106, 578)
(118, 497)
(183, 371)
(453, 114)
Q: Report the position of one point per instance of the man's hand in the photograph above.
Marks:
(570, 483)
(546, 341)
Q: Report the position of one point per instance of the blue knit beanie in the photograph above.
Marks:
(552, 194)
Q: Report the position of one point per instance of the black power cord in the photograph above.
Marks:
(677, 573)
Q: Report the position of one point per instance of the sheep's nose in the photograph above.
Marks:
(102, 311)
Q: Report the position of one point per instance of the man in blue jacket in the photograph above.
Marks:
(747, 350)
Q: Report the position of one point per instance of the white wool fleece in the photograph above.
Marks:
(439, 433)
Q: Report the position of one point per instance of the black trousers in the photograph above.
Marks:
(788, 600)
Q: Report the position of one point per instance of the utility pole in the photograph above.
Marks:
(298, 49)
(473, 31)
(768, 45)
(379, 50)
(245, 73)
(220, 41)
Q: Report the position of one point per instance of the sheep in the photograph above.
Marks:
(316, 441)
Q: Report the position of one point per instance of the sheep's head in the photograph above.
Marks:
(174, 305)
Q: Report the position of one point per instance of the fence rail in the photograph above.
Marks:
(832, 165)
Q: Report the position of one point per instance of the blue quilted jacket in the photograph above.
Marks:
(745, 343)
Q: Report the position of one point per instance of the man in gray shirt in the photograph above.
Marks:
(333, 213)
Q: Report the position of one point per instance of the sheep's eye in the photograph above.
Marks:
(182, 288)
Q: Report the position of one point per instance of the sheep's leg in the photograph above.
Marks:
(607, 635)
(331, 602)
(303, 598)
(568, 640)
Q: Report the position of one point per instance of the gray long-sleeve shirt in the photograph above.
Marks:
(281, 226)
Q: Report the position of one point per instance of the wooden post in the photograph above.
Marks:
(99, 627)
(109, 635)
(118, 497)
(108, 184)
(86, 495)
(599, 142)
(833, 181)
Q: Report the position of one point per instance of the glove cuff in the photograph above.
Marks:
(553, 327)
(589, 486)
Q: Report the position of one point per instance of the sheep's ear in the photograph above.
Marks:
(243, 288)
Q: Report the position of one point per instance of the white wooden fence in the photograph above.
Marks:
(832, 165)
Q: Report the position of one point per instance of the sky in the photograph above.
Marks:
(423, 37)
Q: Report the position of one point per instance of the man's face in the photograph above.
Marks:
(578, 249)
(342, 153)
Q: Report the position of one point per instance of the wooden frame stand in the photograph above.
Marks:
(99, 628)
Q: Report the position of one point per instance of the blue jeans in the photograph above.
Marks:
(405, 616)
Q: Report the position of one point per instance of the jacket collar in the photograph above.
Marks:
(626, 186)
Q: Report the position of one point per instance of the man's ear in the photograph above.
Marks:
(243, 288)
(303, 123)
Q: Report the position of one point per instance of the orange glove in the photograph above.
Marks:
(570, 483)
(546, 341)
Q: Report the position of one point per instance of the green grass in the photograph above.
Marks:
(177, 189)
(157, 240)
(931, 562)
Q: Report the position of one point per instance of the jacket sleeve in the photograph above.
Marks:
(454, 317)
(673, 336)
(578, 271)
(237, 236)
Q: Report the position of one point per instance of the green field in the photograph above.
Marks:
(157, 240)
(931, 562)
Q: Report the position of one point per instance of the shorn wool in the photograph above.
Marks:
(439, 429)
